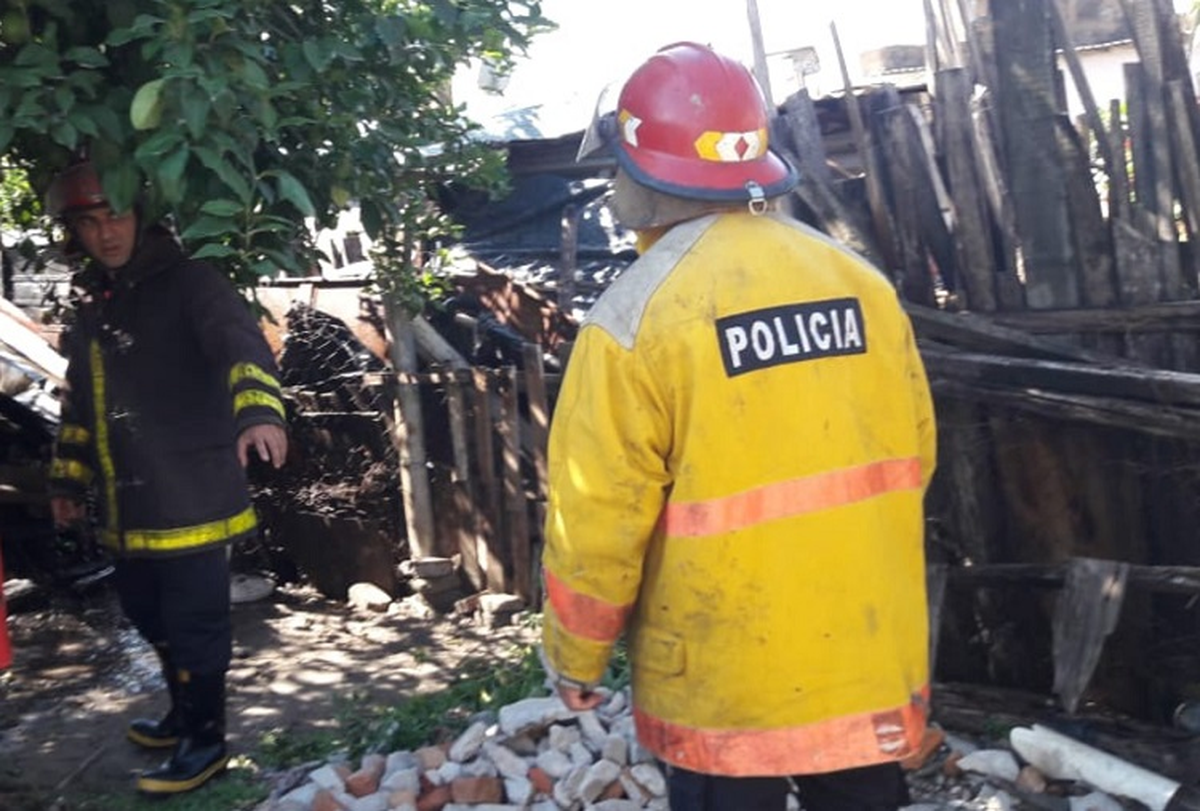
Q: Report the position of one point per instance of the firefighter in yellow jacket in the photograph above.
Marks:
(738, 460)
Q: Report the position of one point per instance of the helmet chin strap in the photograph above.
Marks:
(758, 200)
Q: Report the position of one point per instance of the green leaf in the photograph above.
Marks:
(66, 134)
(86, 57)
(121, 184)
(317, 54)
(222, 208)
(145, 112)
(36, 55)
(254, 76)
(227, 173)
(285, 260)
(213, 250)
(372, 219)
(84, 123)
(64, 98)
(208, 226)
(171, 168)
(293, 191)
(158, 144)
(196, 106)
(121, 36)
(106, 119)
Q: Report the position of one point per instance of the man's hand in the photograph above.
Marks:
(67, 511)
(270, 441)
(578, 700)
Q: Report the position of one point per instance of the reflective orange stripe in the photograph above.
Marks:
(838, 743)
(581, 615)
(788, 499)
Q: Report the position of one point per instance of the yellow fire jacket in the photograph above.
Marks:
(738, 460)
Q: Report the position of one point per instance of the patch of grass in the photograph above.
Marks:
(239, 789)
(484, 684)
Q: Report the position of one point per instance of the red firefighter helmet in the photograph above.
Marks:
(75, 188)
(693, 123)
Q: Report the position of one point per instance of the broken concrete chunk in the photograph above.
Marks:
(532, 713)
(428, 567)
(992, 763)
(469, 743)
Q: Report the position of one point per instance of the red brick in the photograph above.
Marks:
(402, 797)
(615, 791)
(435, 799)
(323, 800)
(542, 782)
(363, 782)
(477, 790)
(431, 758)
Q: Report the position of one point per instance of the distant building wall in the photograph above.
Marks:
(1104, 67)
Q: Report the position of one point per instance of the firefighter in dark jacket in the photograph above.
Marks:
(171, 387)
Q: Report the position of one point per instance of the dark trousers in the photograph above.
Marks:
(180, 605)
(873, 788)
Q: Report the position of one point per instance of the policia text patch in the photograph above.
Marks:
(791, 333)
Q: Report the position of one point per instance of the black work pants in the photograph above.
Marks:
(181, 604)
(872, 788)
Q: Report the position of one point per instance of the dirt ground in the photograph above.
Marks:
(80, 673)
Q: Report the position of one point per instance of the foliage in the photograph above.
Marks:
(244, 118)
(18, 206)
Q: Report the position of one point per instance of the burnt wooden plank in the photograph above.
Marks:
(977, 332)
(1093, 240)
(1086, 613)
(901, 171)
(490, 549)
(1160, 579)
(1141, 418)
(1028, 105)
(1118, 176)
(1010, 293)
(1158, 386)
(977, 264)
(408, 431)
(880, 216)
(516, 508)
(539, 435)
(1082, 86)
(1167, 316)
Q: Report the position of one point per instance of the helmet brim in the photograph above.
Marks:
(772, 173)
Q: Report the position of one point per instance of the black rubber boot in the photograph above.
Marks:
(200, 754)
(164, 733)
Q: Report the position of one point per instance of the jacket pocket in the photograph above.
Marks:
(659, 652)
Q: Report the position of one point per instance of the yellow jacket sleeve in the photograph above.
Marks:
(608, 444)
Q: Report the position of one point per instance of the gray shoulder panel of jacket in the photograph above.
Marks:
(620, 309)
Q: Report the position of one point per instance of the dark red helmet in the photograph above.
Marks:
(75, 188)
(693, 123)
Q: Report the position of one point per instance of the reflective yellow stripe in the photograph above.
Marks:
(178, 538)
(251, 371)
(246, 399)
(71, 469)
(103, 451)
(74, 435)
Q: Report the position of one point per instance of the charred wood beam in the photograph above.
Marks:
(974, 332)
(1157, 386)
(1157, 420)
(1168, 579)
(1173, 316)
